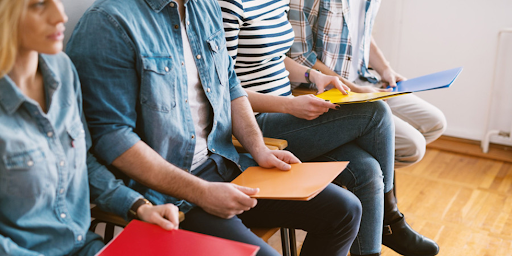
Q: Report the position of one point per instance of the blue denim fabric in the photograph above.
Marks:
(129, 56)
(46, 175)
(360, 133)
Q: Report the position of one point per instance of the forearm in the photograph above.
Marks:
(245, 128)
(266, 103)
(377, 59)
(147, 167)
(296, 71)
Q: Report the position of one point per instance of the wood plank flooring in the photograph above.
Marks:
(463, 202)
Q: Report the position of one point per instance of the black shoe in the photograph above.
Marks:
(401, 238)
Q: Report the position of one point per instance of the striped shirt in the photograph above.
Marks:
(322, 29)
(258, 36)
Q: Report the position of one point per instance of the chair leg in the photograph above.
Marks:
(394, 185)
(285, 242)
(293, 242)
(109, 232)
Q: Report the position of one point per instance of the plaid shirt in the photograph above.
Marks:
(322, 32)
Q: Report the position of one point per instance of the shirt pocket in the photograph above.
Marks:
(26, 174)
(331, 18)
(76, 133)
(217, 45)
(158, 87)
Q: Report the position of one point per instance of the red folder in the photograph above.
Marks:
(141, 238)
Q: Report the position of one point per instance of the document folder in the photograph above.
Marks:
(302, 182)
(437, 80)
(141, 238)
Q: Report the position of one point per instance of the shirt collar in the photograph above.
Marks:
(11, 97)
(158, 5)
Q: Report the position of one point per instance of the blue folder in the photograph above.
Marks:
(437, 80)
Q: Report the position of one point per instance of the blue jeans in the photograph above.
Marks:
(331, 218)
(360, 133)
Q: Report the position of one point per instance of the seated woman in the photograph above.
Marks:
(258, 35)
(47, 176)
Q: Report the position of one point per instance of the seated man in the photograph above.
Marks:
(162, 101)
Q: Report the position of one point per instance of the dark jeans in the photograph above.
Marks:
(331, 218)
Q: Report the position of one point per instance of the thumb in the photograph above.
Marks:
(247, 190)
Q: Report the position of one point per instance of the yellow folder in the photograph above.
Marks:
(302, 182)
(335, 96)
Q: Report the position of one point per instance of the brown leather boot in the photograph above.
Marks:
(373, 254)
(399, 236)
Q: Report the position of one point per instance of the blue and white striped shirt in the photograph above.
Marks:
(258, 36)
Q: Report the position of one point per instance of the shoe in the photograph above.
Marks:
(399, 236)
(373, 254)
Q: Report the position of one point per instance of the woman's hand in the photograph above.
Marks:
(165, 216)
(324, 82)
(308, 107)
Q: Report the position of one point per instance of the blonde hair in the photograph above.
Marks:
(10, 13)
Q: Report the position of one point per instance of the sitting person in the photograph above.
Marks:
(258, 35)
(47, 176)
(335, 37)
(162, 101)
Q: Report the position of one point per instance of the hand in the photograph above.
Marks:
(369, 89)
(165, 216)
(225, 200)
(390, 77)
(308, 107)
(324, 82)
(276, 158)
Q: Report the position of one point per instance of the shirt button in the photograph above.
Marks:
(216, 47)
(198, 57)
(213, 150)
(50, 134)
(61, 163)
(193, 136)
(172, 5)
(208, 90)
(176, 26)
(79, 238)
(61, 191)
(166, 69)
(30, 163)
(186, 100)
(182, 63)
(63, 215)
(188, 22)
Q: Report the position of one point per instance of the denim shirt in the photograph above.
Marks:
(129, 57)
(45, 172)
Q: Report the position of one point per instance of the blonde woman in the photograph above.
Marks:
(47, 176)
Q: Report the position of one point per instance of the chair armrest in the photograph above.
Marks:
(303, 91)
(271, 143)
(108, 217)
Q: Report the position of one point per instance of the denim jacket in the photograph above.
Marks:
(129, 57)
(45, 171)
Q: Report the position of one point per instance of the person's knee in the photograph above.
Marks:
(437, 126)
(411, 151)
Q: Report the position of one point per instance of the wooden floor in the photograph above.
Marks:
(462, 201)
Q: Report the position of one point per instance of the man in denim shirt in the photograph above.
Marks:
(161, 95)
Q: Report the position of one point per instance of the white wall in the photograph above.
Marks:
(421, 37)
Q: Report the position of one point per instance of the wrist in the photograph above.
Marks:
(134, 213)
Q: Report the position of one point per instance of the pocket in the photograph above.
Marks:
(76, 133)
(217, 45)
(26, 174)
(158, 87)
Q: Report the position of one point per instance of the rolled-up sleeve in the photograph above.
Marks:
(302, 48)
(105, 62)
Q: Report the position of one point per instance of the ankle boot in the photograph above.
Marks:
(373, 254)
(399, 236)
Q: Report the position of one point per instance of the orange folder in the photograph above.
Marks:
(141, 238)
(302, 182)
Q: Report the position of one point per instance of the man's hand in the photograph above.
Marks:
(276, 158)
(226, 200)
(308, 107)
(369, 89)
(165, 216)
(390, 77)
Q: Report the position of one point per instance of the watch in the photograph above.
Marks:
(307, 75)
(132, 213)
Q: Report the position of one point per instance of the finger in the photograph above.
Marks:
(286, 156)
(172, 214)
(385, 90)
(162, 222)
(340, 86)
(280, 164)
(323, 103)
(247, 190)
